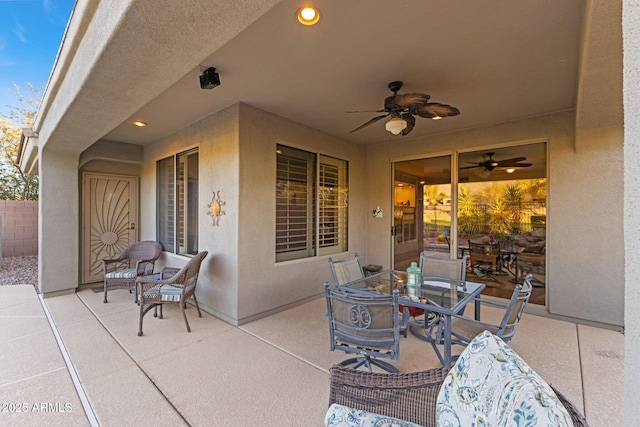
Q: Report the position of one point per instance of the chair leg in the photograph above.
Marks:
(184, 315)
(197, 306)
(105, 293)
(140, 321)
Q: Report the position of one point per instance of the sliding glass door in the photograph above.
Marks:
(421, 209)
(492, 210)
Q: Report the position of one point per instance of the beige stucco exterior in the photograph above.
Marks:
(593, 191)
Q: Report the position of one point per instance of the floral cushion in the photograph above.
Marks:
(491, 386)
(343, 416)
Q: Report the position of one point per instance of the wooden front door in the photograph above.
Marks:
(109, 219)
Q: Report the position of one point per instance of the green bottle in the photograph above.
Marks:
(414, 279)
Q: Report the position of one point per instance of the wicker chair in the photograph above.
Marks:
(175, 286)
(409, 396)
(136, 260)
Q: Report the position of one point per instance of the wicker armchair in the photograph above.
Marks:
(410, 397)
(175, 286)
(136, 260)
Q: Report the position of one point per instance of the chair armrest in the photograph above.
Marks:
(407, 396)
(169, 271)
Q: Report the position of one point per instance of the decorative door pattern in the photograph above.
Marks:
(109, 219)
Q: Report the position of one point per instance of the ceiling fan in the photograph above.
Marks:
(490, 164)
(403, 107)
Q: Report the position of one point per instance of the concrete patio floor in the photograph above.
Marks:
(271, 372)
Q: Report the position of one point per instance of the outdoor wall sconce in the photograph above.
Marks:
(215, 208)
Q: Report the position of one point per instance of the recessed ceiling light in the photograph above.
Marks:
(139, 123)
(308, 15)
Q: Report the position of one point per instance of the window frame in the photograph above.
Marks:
(302, 191)
(177, 204)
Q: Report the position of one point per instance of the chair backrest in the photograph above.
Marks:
(363, 324)
(346, 270)
(515, 309)
(453, 270)
(149, 250)
(188, 275)
(488, 248)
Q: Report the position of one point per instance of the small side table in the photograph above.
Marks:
(371, 269)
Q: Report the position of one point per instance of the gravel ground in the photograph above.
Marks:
(19, 270)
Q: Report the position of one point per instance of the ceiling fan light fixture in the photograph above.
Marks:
(436, 118)
(396, 125)
(510, 170)
(485, 173)
(308, 15)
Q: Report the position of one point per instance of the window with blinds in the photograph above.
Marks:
(306, 192)
(165, 207)
(177, 203)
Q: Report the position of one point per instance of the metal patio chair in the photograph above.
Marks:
(175, 286)
(346, 270)
(136, 260)
(464, 329)
(365, 325)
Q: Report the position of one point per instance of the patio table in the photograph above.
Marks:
(437, 295)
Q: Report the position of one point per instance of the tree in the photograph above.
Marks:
(15, 184)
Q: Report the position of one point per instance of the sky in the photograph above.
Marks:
(31, 32)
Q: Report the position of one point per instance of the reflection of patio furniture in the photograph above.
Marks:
(364, 324)
(346, 270)
(175, 286)
(531, 263)
(485, 256)
(465, 329)
(137, 259)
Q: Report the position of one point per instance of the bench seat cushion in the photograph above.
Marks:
(343, 416)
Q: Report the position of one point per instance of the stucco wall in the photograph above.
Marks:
(264, 284)
(631, 23)
(19, 227)
(585, 272)
(240, 280)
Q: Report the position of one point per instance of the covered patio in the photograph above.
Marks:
(271, 372)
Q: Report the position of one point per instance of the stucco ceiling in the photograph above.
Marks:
(495, 60)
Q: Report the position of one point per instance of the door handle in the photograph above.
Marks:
(394, 230)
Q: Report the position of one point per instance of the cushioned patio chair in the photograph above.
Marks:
(406, 396)
(136, 260)
(175, 286)
(346, 270)
(365, 325)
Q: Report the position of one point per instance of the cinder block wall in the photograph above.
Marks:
(19, 227)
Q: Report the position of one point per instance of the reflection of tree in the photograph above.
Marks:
(470, 216)
(500, 208)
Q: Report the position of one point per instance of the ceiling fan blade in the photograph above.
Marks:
(411, 101)
(515, 165)
(435, 109)
(370, 122)
(411, 122)
(366, 111)
(471, 167)
(505, 162)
